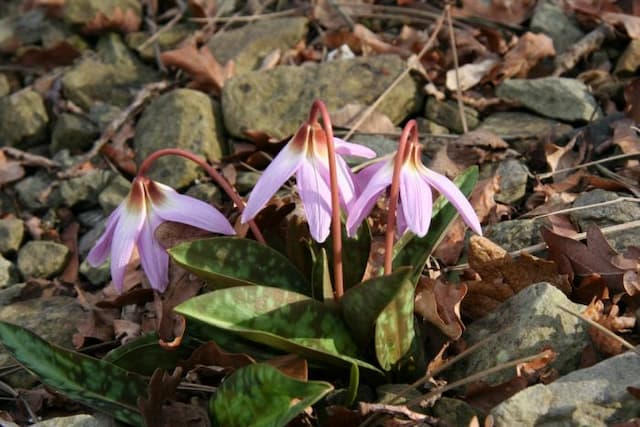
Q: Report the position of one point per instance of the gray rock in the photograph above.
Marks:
(114, 193)
(629, 61)
(607, 215)
(446, 113)
(513, 181)
(96, 275)
(103, 114)
(8, 273)
(11, 294)
(381, 144)
(11, 235)
(81, 190)
(166, 40)
(73, 132)
(429, 126)
(551, 20)
(555, 97)
(42, 259)
(206, 191)
(88, 239)
(454, 411)
(182, 118)
(112, 77)
(53, 318)
(81, 420)
(515, 125)
(594, 397)
(245, 181)
(82, 12)
(90, 218)
(534, 321)
(515, 234)
(277, 101)
(5, 86)
(33, 189)
(247, 46)
(23, 118)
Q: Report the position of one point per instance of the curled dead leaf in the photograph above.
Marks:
(439, 304)
(125, 21)
(525, 55)
(611, 320)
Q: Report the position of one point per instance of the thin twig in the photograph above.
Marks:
(250, 18)
(365, 115)
(585, 165)
(454, 50)
(601, 328)
(166, 27)
(140, 99)
(593, 205)
(589, 43)
(542, 246)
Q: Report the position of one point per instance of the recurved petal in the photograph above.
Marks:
(416, 200)
(125, 236)
(452, 193)
(380, 180)
(100, 251)
(350, 149)
(316, 200)
(154, 259)
(401, 222)
(281, 168)
(170, 205)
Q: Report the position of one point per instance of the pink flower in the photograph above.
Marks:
(134, 222)
(415, 203)
(306, 156)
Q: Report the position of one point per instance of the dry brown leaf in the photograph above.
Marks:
(10, 170)
(206, 71)
(631, 24)
(375, 43)
(376, 122)
(470, 75)
(97, 324)
(69, 237)
(330, 18)
(483, 396)
(504, 11)
(525, 55)
(616, 324)
(439, 304)
(632, 100)
(126, 330)
(125, 21)
(291, 365)
(202, 8)
(473, 148)
(501, 276)
(60, 54)
(210, 354)
(564, 157)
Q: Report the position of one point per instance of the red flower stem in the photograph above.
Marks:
(410, 130)
(336, 225)
(213, 173)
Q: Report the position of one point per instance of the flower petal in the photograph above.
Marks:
(170, 205)
(346, 186)
(154, 259)
(401, 221)
(452, 193)
(416, 200)
(350, 149)
(100, 251)
(363, 177)
(280, 169)
(124, 239)
(361, 207)
(316, 199)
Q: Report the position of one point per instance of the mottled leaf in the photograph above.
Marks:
(281, 319)
(394, 330)
(227, 261)
(355, 254)
(92, 382)
(260, 396)
(413, 250)
(321, 288)
(144, 355)
(362, 304)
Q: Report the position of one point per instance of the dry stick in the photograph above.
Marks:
(410, 130)
(598, 326)
(393, 84)
(594, 205)
(584, 165)
(165, 27)
(542, 246)
(452, 40)
(589, 43)
(405, 14)
(474, 377)
(250, 18)
(140, 99)
(345, 17)
(336, 225)
(220, 180)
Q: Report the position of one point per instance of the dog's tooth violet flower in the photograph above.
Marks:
(134, 222)
(415, 204)
(306, 156)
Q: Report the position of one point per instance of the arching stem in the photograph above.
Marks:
(410, 130)
(336, 226)
(213, 173)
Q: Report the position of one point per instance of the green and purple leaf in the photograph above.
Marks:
(226, 261)
(92, 382)
(261, 396)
